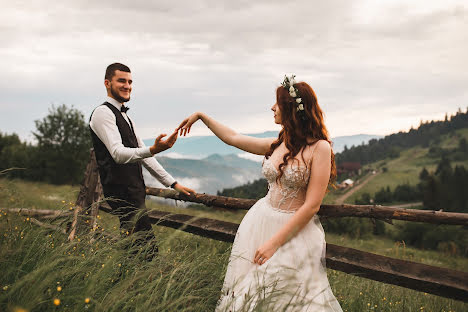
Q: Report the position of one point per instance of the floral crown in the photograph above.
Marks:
(288, 83)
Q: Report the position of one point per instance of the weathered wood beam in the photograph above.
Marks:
(329, 211)
(48, 226)
(434, 280)
(208, 200)
(90, 192)
(210, 228)
(39, 213)
(388, 212)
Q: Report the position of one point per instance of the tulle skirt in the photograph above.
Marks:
(293, 279)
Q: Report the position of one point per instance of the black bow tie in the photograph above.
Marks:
(124, 109)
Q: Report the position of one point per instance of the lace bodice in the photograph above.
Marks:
(288, 195)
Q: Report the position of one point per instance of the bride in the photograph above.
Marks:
(277, 261)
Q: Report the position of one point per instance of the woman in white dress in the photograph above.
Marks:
(277, 261)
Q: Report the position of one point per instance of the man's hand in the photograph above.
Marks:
(182, 189)
(161, 145)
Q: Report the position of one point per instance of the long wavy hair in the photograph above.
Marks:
(299, 127)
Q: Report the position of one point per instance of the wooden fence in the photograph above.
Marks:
(430, 279)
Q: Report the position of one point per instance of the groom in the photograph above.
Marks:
(120, 153)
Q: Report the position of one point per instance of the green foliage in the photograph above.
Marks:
(61, 153)
(445, 188)
(446, 238)
(365, 199)
(352, 227)
(15, 155)
(391, 145)
(63, 145)
(401, 193)
(458, 153)
(384, 195)
(255, 190)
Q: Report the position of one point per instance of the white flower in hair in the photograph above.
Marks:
(288, 84)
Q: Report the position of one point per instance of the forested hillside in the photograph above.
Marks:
(427, 134)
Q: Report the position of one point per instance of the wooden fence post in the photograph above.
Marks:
(88, 201)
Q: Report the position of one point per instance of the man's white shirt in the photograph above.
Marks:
(104, 125)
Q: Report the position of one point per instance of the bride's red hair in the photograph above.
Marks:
(300, 128)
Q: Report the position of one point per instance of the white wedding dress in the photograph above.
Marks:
(294, 278)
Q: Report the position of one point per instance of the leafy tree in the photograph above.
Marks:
(384, 195)
(63, 145)
(365, 199)
(15, 154)
(424, 174)
(462, 145)
(255, 190)
(406, 193)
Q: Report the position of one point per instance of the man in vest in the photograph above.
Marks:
(120, 153)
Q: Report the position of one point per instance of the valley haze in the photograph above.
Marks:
(208, 165)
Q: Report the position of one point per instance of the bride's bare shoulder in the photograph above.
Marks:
(319, 147)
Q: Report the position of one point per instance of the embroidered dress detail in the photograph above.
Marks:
(289, 195)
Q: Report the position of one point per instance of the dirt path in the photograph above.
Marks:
(340, 200)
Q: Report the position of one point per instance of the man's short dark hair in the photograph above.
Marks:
(110, 71)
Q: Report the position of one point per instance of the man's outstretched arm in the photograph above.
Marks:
(157, 171)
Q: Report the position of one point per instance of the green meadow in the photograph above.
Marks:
(42, 271)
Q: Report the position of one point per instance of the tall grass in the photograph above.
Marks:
(103, 271)
(39, 266)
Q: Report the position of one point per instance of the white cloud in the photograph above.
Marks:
(175, 155)
(257, 158)
(227, 57)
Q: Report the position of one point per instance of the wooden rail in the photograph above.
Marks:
(434, 280)
(330, 211)
(39, 213)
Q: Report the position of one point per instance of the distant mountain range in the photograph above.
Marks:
(198, 147)
(209, 174)
(206, 164)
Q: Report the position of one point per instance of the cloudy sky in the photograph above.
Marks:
(377, 66)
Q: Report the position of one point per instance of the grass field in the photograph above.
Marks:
(41, 271)
(404, 169)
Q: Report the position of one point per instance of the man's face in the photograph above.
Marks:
(120, 86)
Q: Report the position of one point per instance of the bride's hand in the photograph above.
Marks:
(187, 123)
(265, 252)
